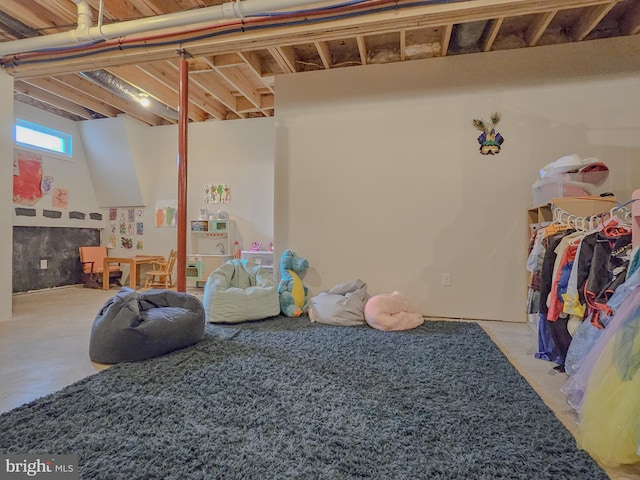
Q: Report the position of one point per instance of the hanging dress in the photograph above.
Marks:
(610, 414)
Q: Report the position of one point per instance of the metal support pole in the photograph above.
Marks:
(181, 220)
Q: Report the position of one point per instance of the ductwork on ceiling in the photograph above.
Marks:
(466, 36)
(129, 92)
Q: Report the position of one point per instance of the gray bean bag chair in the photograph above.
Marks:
(238, 291)
(341, 305)
(135, 326)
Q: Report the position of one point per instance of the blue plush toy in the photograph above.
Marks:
(293, 293)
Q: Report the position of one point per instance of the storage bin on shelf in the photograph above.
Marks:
(571, 184)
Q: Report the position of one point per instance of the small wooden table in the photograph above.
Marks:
(133, 271)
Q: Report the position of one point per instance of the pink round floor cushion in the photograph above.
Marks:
(392, 312)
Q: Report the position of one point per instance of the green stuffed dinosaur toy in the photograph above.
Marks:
(293, 293)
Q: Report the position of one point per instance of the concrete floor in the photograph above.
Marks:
(44, 347)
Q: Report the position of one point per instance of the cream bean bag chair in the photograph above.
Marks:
(238, 291)
(392, 312)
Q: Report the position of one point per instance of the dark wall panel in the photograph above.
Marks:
(59, 246)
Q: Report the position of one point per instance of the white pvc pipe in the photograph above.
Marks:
(86, 33)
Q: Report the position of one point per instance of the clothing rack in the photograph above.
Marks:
(591, 221)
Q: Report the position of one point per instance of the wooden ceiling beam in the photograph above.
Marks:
(538, 27)
(630, 24)
(199, 64)
(433, 16)
(445, 39)
(215, 88)
(64, 10)
(490, 38)
(324, 51)
(121, 10)
(239, 81)
(37, 18)
(129, 107)
(226, 60)
(589, 21)
(254, 64)
(51, 99)
(201, 92)
(62, 89)
(362, 49)
(34, 102)
(167, 73)
(156, 89)
(267, 102)
(284, 57)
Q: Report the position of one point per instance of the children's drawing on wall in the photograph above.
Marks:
(47, 185)
(166, 213)
(60, 198)
(217, 193)
(27, 177)
(490, 140)
(126, 243)
(125, 228)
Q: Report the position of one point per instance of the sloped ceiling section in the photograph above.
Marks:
(233, 61)
(111, 163)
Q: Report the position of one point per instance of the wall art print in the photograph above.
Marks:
(125, 228)
(166, 211)
(490, 140)
(27, 182)
(47, 185)
(217, 193)
(60, 198)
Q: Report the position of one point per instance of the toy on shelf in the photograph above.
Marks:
(293, 294)
(255, 247)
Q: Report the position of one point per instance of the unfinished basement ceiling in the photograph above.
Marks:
(233, 63)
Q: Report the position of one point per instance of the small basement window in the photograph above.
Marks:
(43, 138)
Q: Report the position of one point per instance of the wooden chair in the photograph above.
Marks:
(92, 261)
(161, 273)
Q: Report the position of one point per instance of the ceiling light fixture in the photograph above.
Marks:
(143, 99)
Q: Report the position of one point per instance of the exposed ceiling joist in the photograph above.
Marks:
(232, 75)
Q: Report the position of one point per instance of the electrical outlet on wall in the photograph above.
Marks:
(446, 279)
(44, 264)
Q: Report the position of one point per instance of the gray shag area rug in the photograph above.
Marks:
(286, 399)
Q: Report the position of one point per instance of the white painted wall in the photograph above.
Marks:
(6, 197)
(378, 174)
(71, 174)
(110, 160)
(239, 153)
